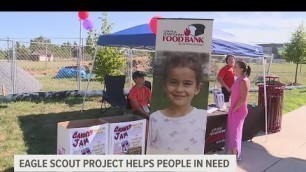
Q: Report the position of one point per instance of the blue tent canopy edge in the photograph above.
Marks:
(141, 36)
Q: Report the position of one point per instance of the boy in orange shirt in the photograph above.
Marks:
(140, 96)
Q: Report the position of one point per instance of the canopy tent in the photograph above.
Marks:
(141, 36)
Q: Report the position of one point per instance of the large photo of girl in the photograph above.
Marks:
(177, 124)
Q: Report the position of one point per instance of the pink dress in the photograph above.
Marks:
(235, 120)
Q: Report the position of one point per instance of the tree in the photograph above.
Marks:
(41, 39)
(295, 51)
(91, 42)
(39, 43)
(22, 52)
(109, 61)
(67, 50)
(3, 54)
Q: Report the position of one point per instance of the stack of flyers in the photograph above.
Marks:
(220, 101)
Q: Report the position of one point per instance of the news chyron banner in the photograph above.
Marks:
(180, 86)
(124, 163)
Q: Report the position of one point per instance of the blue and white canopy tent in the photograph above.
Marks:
(141, 37)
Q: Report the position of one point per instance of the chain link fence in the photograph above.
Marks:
(27, 67)
(6, 67)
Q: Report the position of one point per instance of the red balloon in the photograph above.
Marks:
(83, 15)
(153, 24)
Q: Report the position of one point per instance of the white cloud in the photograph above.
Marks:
(261, 21)
(261, 36)
(261, 27)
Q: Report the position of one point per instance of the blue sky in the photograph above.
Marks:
(252, 27)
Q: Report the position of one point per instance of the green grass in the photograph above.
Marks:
(43, 66)
(31, 127)
(285, 72)
(294, 99)
(51, 84)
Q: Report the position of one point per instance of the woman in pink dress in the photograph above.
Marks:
(238, 109)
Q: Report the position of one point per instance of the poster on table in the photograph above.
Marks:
(82, 137)
(127, 134)
(127, 137)
(180, 86)
(107, 135)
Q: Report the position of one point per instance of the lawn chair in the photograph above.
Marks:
(113, 93)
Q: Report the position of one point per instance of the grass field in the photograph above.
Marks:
(285, 72)
(45, 72)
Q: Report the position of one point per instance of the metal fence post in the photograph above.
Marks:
(46, 64)
(130, 67)
(79, 60)
(13, 68)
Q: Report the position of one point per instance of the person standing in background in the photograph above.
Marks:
(226, 77)
(238, 109)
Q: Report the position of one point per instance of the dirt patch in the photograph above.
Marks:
(2, 137)
(7, 153)
(42, 72)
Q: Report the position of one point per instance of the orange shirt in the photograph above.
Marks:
(227, 74)
(142, 95)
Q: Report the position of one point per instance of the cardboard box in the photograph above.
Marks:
(82, 137)
(110, 135)
(127, 134)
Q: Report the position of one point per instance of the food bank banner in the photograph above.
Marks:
(180, 86)
(184, 35)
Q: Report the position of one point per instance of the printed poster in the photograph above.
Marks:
(180, 86)
(89, 140)
(127, 137)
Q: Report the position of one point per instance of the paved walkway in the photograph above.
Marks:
(284, 151)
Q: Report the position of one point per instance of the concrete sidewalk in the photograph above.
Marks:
(284, 151)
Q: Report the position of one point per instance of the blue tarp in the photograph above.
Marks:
(141, 36)
(72, 72)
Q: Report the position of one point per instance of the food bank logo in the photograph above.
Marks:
(193, 33)
(194, 30)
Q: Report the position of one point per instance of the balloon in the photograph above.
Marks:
(83, 15)
(87, 24)
(153, 24)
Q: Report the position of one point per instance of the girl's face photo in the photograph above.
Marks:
(181, 86)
